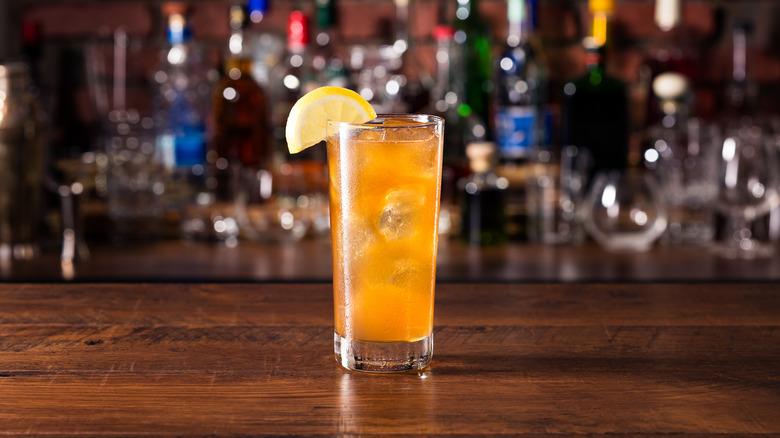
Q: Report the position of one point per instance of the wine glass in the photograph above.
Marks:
(625, 211)
(748, 189)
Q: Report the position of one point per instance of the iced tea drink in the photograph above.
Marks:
(385, 181)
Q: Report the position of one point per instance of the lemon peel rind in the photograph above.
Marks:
(321, 99)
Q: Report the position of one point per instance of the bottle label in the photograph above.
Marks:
(190, 146)
(515, 131)
(185, 148)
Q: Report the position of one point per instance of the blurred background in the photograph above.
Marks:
(623, 124)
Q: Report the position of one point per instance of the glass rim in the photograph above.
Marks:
(432, 120)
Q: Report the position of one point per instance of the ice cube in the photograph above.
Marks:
(359, 236)
(398, 217)
(404, 135)
(406, 274)
(370, 134)
(419, 134)
(397, 121)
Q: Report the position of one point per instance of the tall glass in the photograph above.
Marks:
(385, 182)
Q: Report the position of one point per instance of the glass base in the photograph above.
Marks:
(383, 357)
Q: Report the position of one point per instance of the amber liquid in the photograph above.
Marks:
(384, 190)
(240, 116)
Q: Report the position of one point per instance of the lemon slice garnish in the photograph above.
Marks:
(310, 114)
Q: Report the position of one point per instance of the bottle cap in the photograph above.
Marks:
(443, 32)
(298, 29)
(178, 31)
(257, 5)
(601, 5)
(667, 14)
(257, 10)
(237, 17)
(480, 153)
(326, 17)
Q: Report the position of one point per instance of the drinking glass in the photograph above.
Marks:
(275, 205)
(135, 176)
(385, 183)
(556, 189)
(748, 189)
(625, 211)
(688, 174)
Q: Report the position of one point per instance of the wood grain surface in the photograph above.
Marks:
(166, 359)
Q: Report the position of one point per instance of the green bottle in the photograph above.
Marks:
(595, 109)
(472, 39)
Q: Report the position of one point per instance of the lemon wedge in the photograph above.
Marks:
(310, 114)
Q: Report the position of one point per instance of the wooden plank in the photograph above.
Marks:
(456, 304)
(242, 348)
(256, 359)
(445, 401)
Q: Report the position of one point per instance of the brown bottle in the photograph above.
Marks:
(240, 139)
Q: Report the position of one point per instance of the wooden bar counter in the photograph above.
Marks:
(239, 359)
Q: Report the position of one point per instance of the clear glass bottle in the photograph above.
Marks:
(291, 79)
(448, 99)
(182, 104)
(483, 221)
(461, 125)
(671, 52)
(265, 43)
(684, 152)
(328, 66)
(520, 80)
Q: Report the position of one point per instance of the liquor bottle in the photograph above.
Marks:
(482, 198)
(595, 107)
(379, 69)
(240, 142)
(32, 49)
(461, 125)
(411, 91)
(672, 51)
(684, 151)
(672, 91)
(472, 39)
(518, 122)
(328, 66)
(291, 78)
(239, 105)
(520, 81)
(182, 100)
(265, 43)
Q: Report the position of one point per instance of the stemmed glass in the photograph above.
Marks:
(748, 189)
